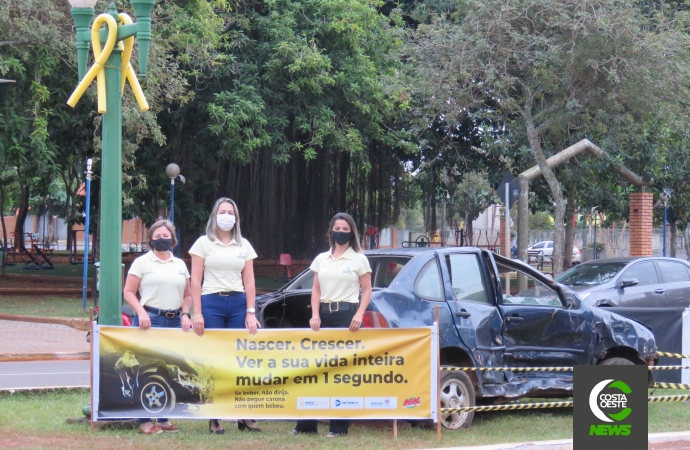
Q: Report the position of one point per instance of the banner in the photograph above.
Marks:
(274, 374)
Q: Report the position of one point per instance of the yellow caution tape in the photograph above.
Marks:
(671, 386)
(510, 407)
(668, 398)
(101, 55)
(542, 369)
(511, 369)
(673, 355)
(564, 404)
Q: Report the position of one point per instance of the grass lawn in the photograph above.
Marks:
(37, 420)
(60, 270)
(71, 307)
(43, 306)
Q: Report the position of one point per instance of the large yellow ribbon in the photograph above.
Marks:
(101, 55)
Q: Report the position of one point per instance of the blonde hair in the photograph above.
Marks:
(162, 223)
(354, 239)
(212, 226)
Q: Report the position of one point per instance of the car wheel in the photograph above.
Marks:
(155, 396)
(616, 361)
(456, 391)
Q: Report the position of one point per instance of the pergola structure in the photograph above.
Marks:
(641, 203)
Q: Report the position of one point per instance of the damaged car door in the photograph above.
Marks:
(474, 310)
(540, 329)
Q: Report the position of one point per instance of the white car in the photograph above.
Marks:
(546, 248)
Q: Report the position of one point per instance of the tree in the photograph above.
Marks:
(549, 68)
(472, 196)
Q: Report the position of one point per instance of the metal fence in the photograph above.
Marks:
(616, 242)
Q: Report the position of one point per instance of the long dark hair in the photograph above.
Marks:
(354, 239)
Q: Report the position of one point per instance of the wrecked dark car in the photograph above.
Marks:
(493, 312)
(155, 380)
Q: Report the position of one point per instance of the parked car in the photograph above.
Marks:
(545, 248)
(493, 312)
(649, 281)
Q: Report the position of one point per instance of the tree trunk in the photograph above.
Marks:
(4, 229)
(672, 243)
(21, 218)
(569, 231)
(556, 192)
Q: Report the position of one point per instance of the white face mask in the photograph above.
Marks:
(225, 221)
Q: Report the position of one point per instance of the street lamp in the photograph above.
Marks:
(173, 171)
(111, 70)
(665, 196)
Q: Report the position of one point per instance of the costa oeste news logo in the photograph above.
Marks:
(610, 407)
(598, 400)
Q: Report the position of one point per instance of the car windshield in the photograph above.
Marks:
(590, 274)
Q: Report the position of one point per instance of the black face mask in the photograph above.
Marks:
(161, 245)
(340, 237)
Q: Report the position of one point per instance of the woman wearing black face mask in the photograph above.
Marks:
(166, 298)
(339, 275)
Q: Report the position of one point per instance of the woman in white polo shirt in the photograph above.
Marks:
(163, 285)
(339, 275)
(226, 299)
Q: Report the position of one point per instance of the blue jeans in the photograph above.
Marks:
(158, 321)
(224, 311)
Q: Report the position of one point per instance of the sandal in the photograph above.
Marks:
(155, 429)
(216, 423)
(168, 427)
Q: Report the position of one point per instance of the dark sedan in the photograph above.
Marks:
(634, 282)
(493, 312)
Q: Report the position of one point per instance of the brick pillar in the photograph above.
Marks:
(641, 215)
(502, 236)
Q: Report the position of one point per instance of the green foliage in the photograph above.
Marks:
(540, 221)
(472, 196)
(306, 76)
(550, 72)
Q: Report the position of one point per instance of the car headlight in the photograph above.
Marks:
(585, 295)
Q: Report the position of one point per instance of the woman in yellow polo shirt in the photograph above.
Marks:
(226, 298)
(339, 275)
(163, 285)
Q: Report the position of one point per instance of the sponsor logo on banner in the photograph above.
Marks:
(412, 402)
(381, 403)
(312, 403)
(615, 415)
(347, 402)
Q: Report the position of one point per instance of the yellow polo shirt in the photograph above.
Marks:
(223, 263)
(162, 282)
(339, 277)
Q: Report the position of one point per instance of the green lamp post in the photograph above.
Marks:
(111, 69)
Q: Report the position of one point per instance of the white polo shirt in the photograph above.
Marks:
(223, 263)
(162, 282)
(339, 277)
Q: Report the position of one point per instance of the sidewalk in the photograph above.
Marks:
(28, 341)
(659, 441)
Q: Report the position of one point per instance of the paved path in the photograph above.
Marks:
(43, 374)
(28, 337)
